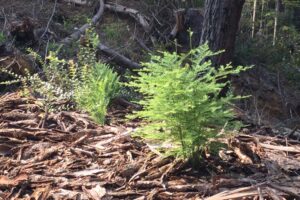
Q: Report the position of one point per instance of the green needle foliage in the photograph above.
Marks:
(181, 105)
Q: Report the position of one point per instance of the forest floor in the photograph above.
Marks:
(65, 155)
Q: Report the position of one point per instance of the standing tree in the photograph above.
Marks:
(276, 21)
(221, 22)
(253, 18)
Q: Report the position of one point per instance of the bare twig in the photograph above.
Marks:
(5, 19)
(50, 19)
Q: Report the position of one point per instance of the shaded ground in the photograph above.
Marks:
(66, 156)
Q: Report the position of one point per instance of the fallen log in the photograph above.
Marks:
(118, 58)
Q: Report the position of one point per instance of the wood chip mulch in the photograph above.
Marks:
(65, 155)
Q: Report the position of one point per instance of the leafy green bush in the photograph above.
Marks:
(180, 104)
(51, 86)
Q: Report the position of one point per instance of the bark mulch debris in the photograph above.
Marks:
(65, 155)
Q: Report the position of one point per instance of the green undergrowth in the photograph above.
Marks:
(85, 82)
(2, 37)
(181, 106)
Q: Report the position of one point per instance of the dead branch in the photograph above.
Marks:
(76, 35)
(50, 19)
(131, 12)
(77, 2)
(118, 58)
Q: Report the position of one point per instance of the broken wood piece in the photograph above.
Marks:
(95, 193)
(8, 182)
(88, 172)
(113, 139)
(242, 156)
(189, 187)
(79, 152)
(17, 133)
(290, 149)
(147, 184)
(47, 153)
(241, 193)
(288, 190)
(16, 116)
(77, 2)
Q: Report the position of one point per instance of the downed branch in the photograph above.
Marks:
(76, 35)
(131, 12)
(77, 2)
(118, 58)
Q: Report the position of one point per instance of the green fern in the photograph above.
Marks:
(180, 104)
(102, 84)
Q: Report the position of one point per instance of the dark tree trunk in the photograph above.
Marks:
(296, 17)
(221, 22)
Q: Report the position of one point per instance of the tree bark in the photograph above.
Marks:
(262, 17)
(221, 22)
(276, 21)
(253, 18)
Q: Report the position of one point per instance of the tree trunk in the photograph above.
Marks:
(253, 18)
(276, 21)
(262, 17)
(296, 17)
(221, 22)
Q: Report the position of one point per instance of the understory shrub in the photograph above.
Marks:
(88, 83)
(181, 107)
